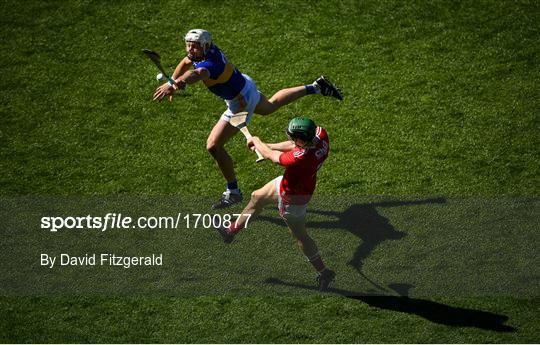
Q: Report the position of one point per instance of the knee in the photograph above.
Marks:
(296, 229)
(272, 107)
(266, 111)
(301, 239)
(257, 198)
(213, 147)
(267, 108)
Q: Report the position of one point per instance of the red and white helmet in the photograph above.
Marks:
(203, 37)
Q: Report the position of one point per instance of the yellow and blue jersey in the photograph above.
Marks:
(225, 80)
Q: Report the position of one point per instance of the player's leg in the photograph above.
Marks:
(297, 228)
(223, 131)
(259, 198)
(285, 96)
(215, 144)
(279, 99)
(295, 220)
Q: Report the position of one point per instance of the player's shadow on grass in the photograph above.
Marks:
(433, 311)
(364, 222)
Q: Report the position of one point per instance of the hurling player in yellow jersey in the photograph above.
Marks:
(206, 62)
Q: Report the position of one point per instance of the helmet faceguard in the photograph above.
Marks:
(203, 37)
(302, 128)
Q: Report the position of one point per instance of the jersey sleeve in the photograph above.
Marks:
(291, 157)
(214, 68)
(286, 159)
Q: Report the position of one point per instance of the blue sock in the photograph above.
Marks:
(310, 89)
(232, 185)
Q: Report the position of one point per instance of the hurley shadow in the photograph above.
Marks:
(435, 312)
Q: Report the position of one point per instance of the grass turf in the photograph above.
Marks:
(441, 99)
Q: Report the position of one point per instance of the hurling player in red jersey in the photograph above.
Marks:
(240, 93)
(302, 156)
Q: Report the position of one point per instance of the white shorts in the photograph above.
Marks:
(247, 100)
(286, 211)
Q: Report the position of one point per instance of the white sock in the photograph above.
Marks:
(316, 87)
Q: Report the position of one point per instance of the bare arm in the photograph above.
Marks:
(265, 150)
(182, 67)
(189, 77)
(283, 146)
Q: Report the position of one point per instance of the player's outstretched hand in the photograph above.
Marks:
(162, 91)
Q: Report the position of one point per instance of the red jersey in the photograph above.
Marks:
(300, 177)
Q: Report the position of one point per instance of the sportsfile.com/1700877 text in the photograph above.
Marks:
(117, 221)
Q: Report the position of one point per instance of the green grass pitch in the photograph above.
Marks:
(427, 207)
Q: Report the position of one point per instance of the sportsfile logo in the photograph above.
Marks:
(114, 221)
(110, 221)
